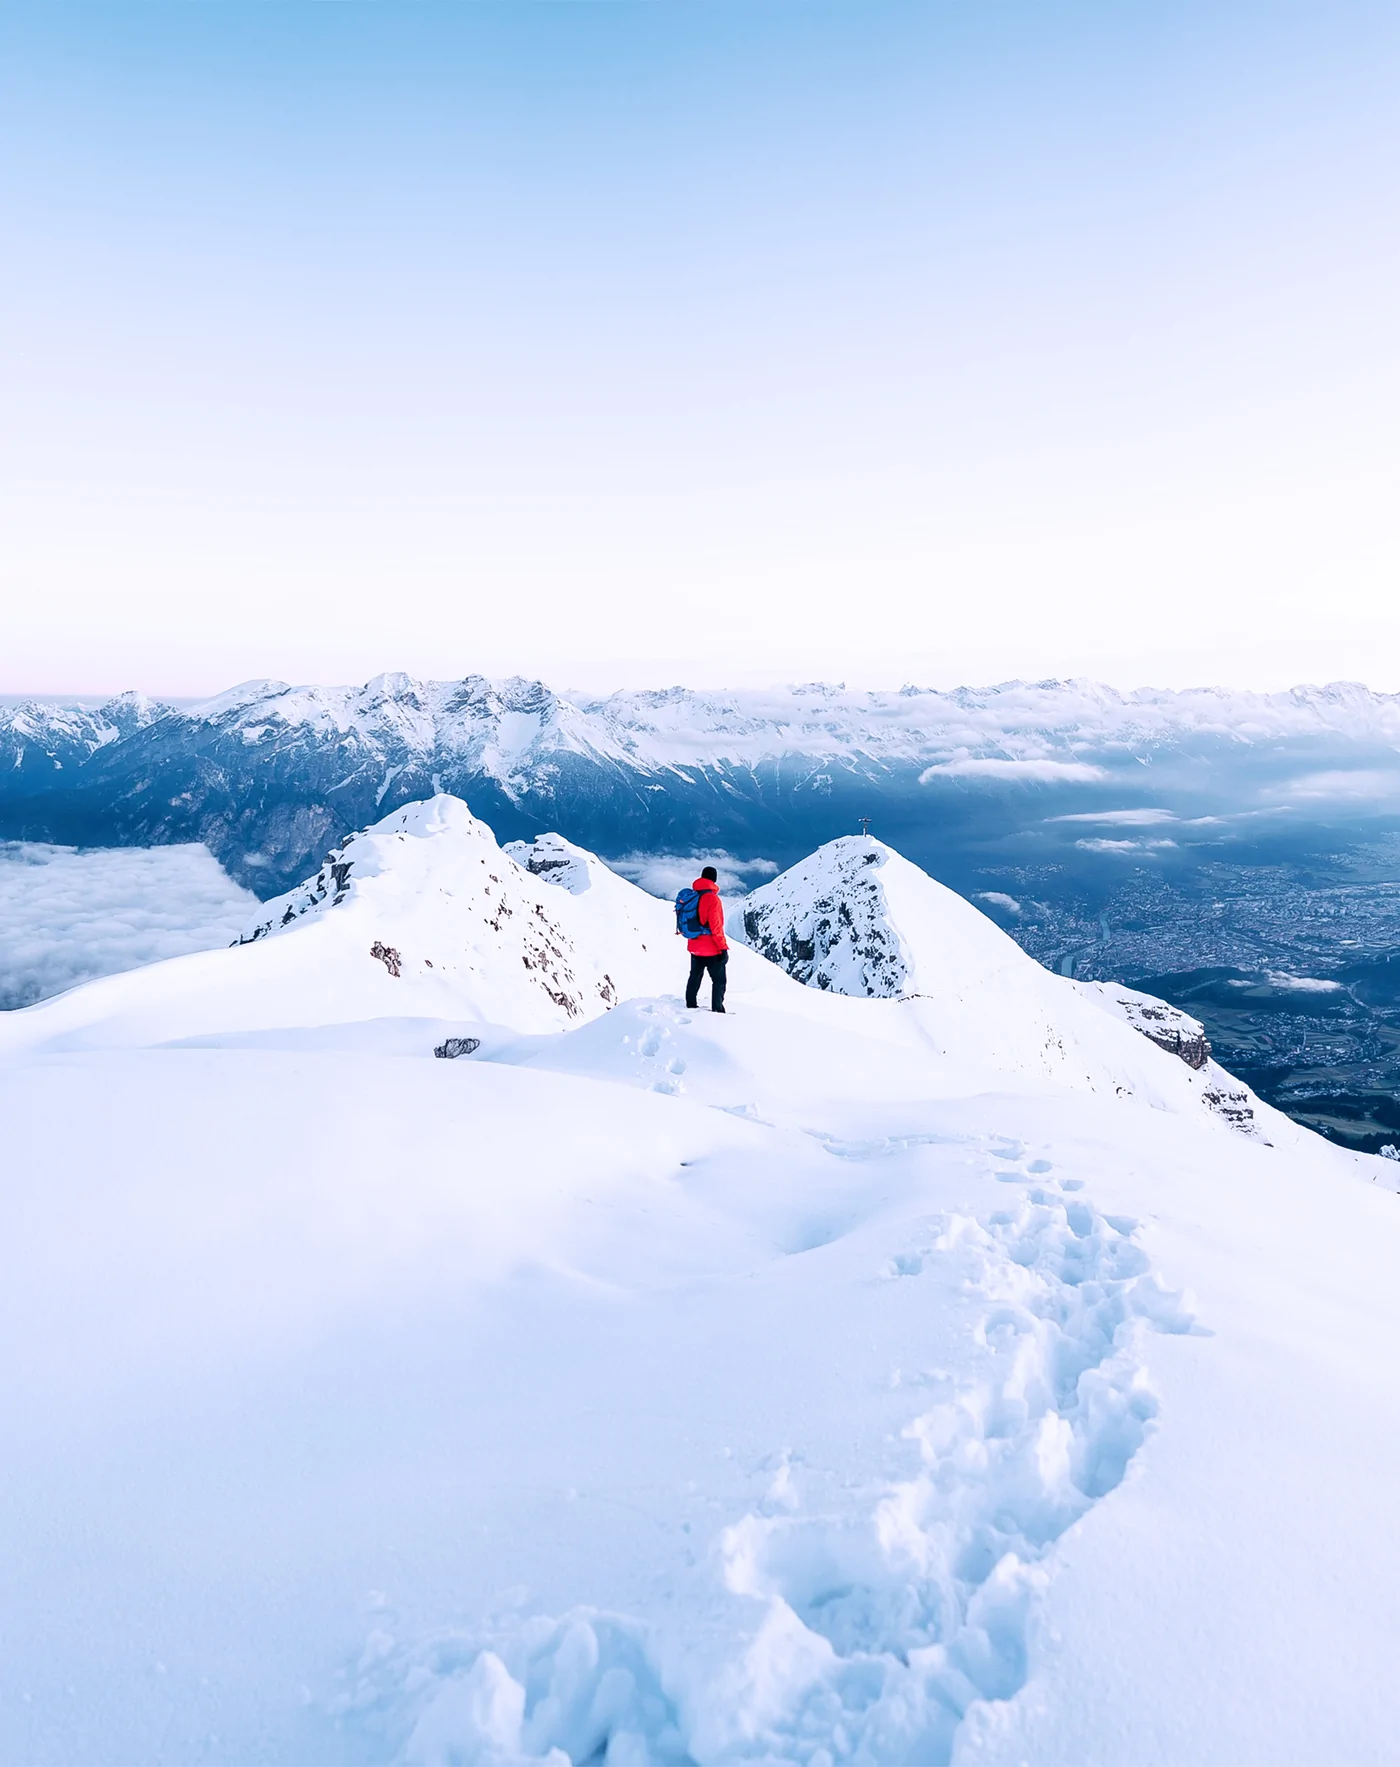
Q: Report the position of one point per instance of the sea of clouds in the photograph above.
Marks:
(68, 916)
(662, 874)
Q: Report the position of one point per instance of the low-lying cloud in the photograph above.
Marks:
(1301, 984)
(68, 916)
(1000, 899)
(1144, 818)
(662, 874)
(1347, 784)
(993, 770)
(1108, 846)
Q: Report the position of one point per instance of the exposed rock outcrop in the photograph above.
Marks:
(1167, 1026)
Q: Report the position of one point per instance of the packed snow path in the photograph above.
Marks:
(817, 1385)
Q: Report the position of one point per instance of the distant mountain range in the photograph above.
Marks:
(270, 776)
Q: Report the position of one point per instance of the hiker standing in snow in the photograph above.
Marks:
(700, 921)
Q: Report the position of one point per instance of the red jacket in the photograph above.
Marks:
(711, 914)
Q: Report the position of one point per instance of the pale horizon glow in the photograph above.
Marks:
(629, 345)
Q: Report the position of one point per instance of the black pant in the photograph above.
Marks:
(719, 975)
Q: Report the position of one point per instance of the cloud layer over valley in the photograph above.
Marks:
(68, 916)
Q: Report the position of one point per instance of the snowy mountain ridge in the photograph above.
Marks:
(424, 916)
(268, 775)
(514, 721)
(870, 1380)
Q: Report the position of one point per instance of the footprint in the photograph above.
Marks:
(902, 1605)
(1008, 1461)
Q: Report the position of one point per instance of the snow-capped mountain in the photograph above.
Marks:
(269, 775)
(420, 916)
(830, 921)
(857, 918)
(40, 741)
(423, 917)
(865, 1379)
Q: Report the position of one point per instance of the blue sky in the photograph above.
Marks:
(714, 342)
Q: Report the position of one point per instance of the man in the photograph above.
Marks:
(710, 951)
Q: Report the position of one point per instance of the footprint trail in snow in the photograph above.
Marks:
(893, 1623)
(881, 1620)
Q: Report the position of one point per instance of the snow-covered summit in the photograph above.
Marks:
(421, 915)
(64, 736)
(850, 918)
(857, 918)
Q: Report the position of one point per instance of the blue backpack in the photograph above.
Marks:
(688, 922)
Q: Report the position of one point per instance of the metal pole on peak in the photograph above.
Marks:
(864, 822)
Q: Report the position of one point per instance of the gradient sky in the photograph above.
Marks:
(707, 342)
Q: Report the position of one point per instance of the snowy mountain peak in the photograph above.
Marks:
(429, 894)
(816, 1383)
(268, 775)
(372, 852)
(857, 918)
(828, 921)
(419, 918)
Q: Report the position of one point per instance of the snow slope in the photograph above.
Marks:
(835, 1382)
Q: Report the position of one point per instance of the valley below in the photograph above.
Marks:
(1290, 966)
